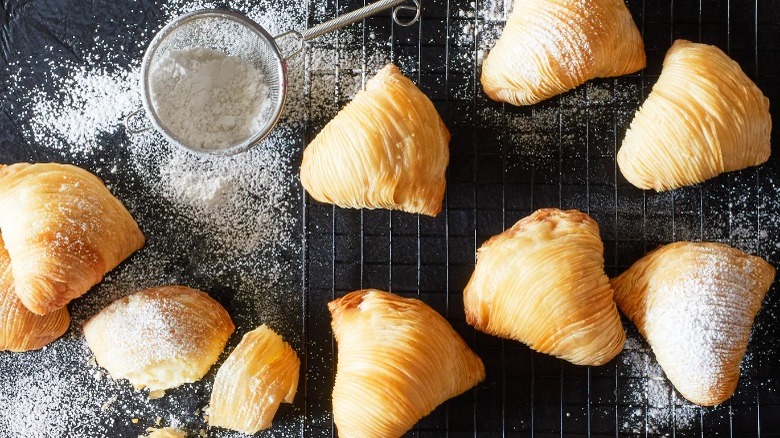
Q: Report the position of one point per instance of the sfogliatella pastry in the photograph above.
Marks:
(63, 230)
(542, 282)
(258, 375)
(20, 329)
(703, 117)
(388, 148)
(551, 46)
(397, 360)
(159, 338)
(695, 304)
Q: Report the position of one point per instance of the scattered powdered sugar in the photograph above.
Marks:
(208, 99)
(245, 200)
(651, 403)
(225, 225)
(248, 199)
(207, 189)
(230, 226)
(41, 398)
(85, 105)
(494, 10)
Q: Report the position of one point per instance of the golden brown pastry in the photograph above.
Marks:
(258, 375)
(166, 432)
(159, 338)
(20, 329)
(551, 46)
(542, 282)
(695, 304)
(703, 117)
(388, 148)
(397, 360)
(63, 231)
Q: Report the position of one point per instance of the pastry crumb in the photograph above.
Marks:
(154, 395)
(166, 432)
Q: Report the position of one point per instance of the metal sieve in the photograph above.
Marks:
(237, 35)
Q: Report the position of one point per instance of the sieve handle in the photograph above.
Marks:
(359, 15)
(135, 123)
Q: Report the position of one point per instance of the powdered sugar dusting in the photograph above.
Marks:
(228, 226)
(150, 325)
(37, 389)
(702, 321)
(651, 403)
(202, 215)
(696, 328)
(88, 105)
(242, 199)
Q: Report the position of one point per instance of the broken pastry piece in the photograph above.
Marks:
(703, 117)
(542, 282)
(551, 46)
(159, 338)
(63, 230)
(258, 375)
(695, 304)
(20, 329)
(397, 360)
(388, 148)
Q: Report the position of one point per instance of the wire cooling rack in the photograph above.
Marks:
(507, 162)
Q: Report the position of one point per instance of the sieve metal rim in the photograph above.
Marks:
(146, 95)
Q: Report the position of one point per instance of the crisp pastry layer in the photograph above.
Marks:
(695, 304)
(259, 374)
(703, 117)
(542, 282)
(159, 338)
(551, 46)
(63, 230)
(388, 148)
(20, 329)
(397, 360)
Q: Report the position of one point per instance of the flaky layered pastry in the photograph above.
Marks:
(63, 230)
(159, 338)
(397, 360)
(695, 304)
(258, 375)
(551, 46)
(20, 329)
(542, 282)
(703, 117)
(388, 148)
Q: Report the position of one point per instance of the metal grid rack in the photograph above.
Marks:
(495, 178)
